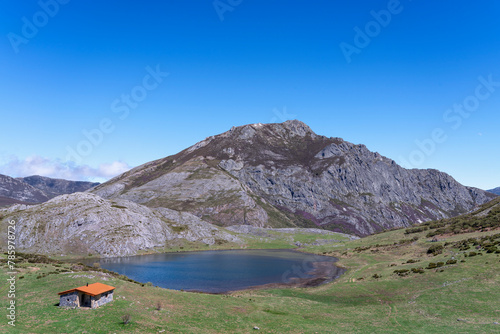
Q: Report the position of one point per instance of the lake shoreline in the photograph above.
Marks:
(310, 271)
(324, 272)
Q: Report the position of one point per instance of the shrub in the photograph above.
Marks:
(402, 272)
(416, 229)
(412, 261)
(491, 249)
(440, 264)
(435, 249)
(126, 318)
(450, 261)
(431, 265)
(158, 306)
(418, 270)
(376, 276)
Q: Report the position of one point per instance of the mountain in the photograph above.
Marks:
(6, 201)
(495, 191)
(55, 187)
(84, 223)
(16, 190)
(36, 189)
(284, 174)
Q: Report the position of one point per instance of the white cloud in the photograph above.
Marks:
(37, 165)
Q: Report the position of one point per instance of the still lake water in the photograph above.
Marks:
(216, 271)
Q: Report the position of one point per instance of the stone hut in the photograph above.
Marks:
(90, 295)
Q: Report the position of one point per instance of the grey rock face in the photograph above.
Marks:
(83, 223)
(279, 175)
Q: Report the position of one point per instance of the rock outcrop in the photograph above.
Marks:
(84, 223)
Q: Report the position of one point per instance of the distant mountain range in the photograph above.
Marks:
(37, 189)
(495, 191)
(55, 187)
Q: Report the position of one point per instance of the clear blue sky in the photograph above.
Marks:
(69, 68)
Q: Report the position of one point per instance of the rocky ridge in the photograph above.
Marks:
(84, 223)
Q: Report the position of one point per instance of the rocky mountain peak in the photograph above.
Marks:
(287, 129)
(298, 128)
(283, 174)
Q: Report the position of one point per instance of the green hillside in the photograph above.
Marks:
(438, 277)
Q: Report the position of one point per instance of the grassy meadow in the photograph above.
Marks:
(379, 293)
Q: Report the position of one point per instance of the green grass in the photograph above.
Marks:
(431, 302)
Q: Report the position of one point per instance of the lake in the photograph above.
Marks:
(226, 270)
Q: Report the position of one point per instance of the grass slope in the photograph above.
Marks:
(378, 294)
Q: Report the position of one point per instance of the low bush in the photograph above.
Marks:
(431, 265)
(435, 249)
(126, 318)
(402, 272)
(416, 229)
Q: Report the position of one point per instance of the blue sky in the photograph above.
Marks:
(85, 94)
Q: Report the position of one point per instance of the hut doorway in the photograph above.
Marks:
(85, 300)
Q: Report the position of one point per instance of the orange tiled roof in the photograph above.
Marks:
(93, 289)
